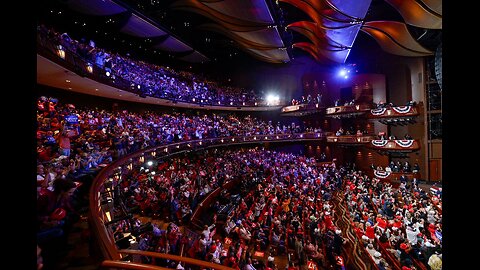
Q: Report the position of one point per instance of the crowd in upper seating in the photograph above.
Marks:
(95, 137)
(308, 100)
(147, 79)
(383, 104)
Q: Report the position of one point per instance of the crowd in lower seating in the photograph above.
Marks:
(285, 204)
(152, 80)
(404, 224)
(286, 200)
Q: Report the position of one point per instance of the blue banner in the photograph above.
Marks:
(71, 119)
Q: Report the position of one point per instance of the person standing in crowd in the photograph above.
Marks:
(64, 140)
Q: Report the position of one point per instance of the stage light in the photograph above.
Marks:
(344, 72)
(272, 99)
(150, 163)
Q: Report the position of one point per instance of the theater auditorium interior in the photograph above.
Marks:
(249, 135)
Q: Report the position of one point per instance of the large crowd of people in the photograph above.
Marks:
(148, 79)
(285, 204)
(74, 142)
(285, 200)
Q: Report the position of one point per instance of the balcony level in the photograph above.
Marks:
(351, 140)
(302, 109)
(393, 177)
(402, 146)
(398, 115)
(347, 111)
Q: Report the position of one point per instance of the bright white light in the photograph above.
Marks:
(150, 163)
(346, 77)
(273, 99)
(343, 72)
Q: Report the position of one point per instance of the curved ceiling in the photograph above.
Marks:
(139, 27)
(395, 38)
(228, 30)
(171, 44)
(333, 29)
(434, 5)
(415, 14)
(248, 23)
(251, 10)
(96, 7)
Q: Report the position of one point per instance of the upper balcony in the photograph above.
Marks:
(398, 115)
(347, 111)
(57, 64)
(302, 109)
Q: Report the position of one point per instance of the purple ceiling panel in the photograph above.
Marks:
(172, 44)
(268, 37)
(95, 7)
(344, 36)
(195, 57)
(353, 8)
(249, 10)
(273, 54)
(138, 27)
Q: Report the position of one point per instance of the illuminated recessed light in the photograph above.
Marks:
(69, 88)
(67, 81)
(96, 89)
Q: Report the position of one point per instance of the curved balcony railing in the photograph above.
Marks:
(395, 145)
(394, 115)
(347, 111)
(350, 139)
(392, 177)
(61, 55)
(110, 176)
(302, 109)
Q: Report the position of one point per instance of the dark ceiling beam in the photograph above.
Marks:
(202, 9)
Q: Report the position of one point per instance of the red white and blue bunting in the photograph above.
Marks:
(402, 109)
(404, 143)
(378, 111)
(379, 143)
(381, 174)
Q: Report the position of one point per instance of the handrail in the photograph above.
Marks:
(130, 265)
(395, 145)
(350, 139)
(350, 232)
(348, 109)
(205, 202)
(175, 258)
(393, 112)
(303, 107)
(107, 244)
